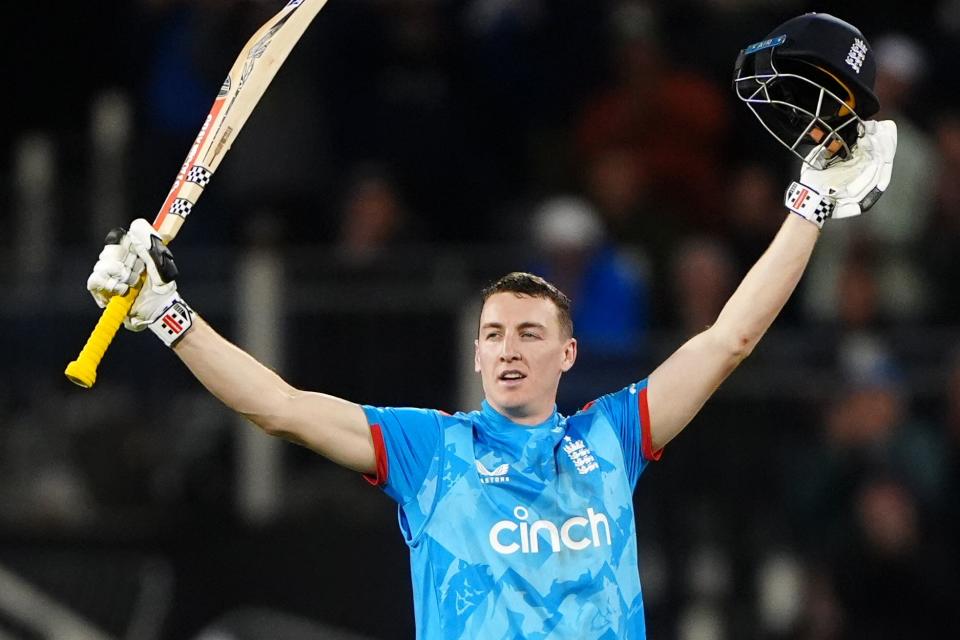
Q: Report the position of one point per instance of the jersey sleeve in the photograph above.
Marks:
(405, 441)
(630, 417)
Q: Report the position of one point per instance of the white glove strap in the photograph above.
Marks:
(808, 203)
(173, 322)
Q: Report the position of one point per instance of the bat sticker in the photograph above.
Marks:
(181, 207)
(199, 175)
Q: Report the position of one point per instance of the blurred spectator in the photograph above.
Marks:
(373, 217)
(400, 103)
(857, 292)
(616, 181)
(754, 211)
(898, 222)
(606, 284)
(852, 337)
(951, 425)
(892, 578)
(176, 81)
(942, 243)
(868, 429)
(858, 306)
(703, 278)
(823, 618)
(471, 104)
(671, 121)
(901, 216)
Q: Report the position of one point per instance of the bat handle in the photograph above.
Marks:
(83, 370)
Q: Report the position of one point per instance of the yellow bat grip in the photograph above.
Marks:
(83, 370)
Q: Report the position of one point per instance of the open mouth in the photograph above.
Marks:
(511, 376)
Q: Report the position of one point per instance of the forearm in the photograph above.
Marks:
(680, 386)
(766, 288)
(331, 426)
(234, 376)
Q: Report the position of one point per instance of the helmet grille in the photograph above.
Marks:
(804, 106)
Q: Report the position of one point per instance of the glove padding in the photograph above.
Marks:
(849, 187)
(116, 270)
(123, 260)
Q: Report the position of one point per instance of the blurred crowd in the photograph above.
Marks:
(417, 121)
(603, 137)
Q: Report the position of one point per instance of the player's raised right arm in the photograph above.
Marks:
(334, 428)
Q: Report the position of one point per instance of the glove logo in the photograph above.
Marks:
(173, 322)
(801, 198)
(174, 326)
(162, 257)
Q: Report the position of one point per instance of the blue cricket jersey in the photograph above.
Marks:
(519, 531)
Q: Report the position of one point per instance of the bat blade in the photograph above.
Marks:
(246, 82)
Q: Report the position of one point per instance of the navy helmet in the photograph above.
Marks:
(810, 83)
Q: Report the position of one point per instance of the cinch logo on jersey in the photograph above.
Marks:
(497, 475)
(576, 534)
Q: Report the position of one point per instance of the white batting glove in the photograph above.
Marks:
(122, 261)
(117, 268)
(851, 186)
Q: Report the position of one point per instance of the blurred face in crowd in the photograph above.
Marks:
(521, 352)
(704, 279)
(864, 416)
(617, 184)
(372, 215)
(888, 517)
(858, 304)
(755, 195)
(953, 402)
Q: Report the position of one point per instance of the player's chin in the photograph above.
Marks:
(515, 401)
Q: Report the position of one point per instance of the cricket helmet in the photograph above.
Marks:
(810, 83)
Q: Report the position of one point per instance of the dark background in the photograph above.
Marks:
(399, 161)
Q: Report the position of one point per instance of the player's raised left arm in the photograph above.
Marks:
(680, 386)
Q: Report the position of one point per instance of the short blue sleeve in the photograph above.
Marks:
(629, 415)
(405, 440)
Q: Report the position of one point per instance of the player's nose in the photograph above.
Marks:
(508, 350)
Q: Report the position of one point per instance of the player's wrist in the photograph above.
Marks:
(809, 203)
(174, 320)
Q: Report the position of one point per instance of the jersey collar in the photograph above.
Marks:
(499, 421)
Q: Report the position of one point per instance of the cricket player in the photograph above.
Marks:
(519, 520)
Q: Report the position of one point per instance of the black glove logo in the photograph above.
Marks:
(115, 236)
(163, 259)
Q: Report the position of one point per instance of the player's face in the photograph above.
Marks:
(520, 355)
(817, 135)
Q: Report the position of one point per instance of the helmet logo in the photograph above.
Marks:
(858, 51)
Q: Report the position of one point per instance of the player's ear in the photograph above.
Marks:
(476, 356)
(569, 354)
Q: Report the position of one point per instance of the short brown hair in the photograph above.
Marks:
(527, 284)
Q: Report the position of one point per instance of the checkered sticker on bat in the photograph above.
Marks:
(199, 175)
(181, 207)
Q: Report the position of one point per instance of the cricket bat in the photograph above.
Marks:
(243, 87)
